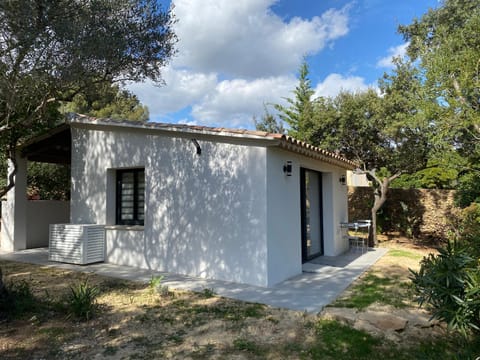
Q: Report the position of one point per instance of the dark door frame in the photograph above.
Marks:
(303, 207)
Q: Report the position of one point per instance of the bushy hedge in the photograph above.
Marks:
(450, 281)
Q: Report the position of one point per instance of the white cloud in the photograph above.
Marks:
(186, 121)
(393, 52)
(229, 103)
(182, 88)
(233, 57)
(335, 83)
(235, 102)
(246, 39)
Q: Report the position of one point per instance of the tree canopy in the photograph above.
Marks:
(268, 123)
(299, 114)
(421, 127)
(445, 47)
(108, 101)
(53, 50)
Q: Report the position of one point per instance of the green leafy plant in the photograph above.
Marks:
(82, 300)
(155, 282)
(468, 189)
(242, 344)
(155, 285)
(450, 283)
(16, 298)
(467, 229)
(208, 293)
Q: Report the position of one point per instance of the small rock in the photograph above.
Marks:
(383, 320)
(392, 336)
(366, 326)
(417, 318)
(344, 315)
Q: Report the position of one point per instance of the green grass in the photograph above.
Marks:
(170, 327)
(225, 311)
(375, 289)
(249, 346)
(337, 341)
(404, 253)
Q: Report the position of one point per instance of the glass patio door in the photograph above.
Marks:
(311, 207)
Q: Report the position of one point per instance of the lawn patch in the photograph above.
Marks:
(134, 322)
(338, 341)
(249, 346)
(373, 288)
(404, 253)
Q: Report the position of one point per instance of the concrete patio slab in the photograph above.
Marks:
(321, 282)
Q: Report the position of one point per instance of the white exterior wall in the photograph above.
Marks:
(357, 180)
(41, 213)
(205, 214)
(284, 212)
(283, 218)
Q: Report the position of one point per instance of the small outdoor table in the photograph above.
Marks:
(361, 228)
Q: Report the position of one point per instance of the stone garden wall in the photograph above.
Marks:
(418, 213)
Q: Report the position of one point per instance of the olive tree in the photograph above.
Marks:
(53, 50)
(386, 135)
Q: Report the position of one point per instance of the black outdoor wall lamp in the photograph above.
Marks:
(343, 180)
(197, 146)
(287, 168)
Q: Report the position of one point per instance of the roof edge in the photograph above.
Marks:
(304, 148)
(275, 139)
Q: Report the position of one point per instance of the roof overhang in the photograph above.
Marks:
(247, 137)
(54, 146)
(302, 148)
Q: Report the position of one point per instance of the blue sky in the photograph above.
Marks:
(234, 56)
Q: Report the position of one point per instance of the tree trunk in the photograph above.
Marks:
(3, 288)
(380, 196)
(11, 176)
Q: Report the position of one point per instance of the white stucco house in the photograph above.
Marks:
(236, 205)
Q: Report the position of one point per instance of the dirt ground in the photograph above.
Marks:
(135, 320)
(390, 263)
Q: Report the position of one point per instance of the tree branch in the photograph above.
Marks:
(11, 176)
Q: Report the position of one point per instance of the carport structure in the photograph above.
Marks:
(25, 222)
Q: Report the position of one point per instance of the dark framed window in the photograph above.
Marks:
(130, 205)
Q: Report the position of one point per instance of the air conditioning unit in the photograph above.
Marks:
(77, 243)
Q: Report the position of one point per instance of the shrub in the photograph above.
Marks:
(208, 293)
(155, 283)
(468, 229)
(156, 286)
(16, 298)
(468, 189)
(450, 283)
(82, 300)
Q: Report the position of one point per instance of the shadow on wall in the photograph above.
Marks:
(205, 214)
(88, 187)
(208, 215)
